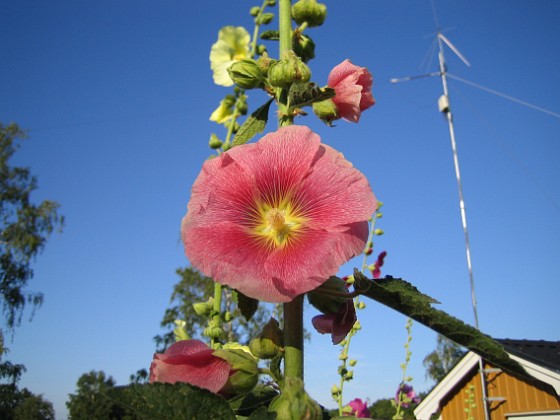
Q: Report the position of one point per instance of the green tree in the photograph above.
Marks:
(193, 287)
(95, 398)
(24, 228)
(19, 404)
(440, 361)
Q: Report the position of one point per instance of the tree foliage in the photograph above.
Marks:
(19, 404)
(24, 228)
(192, 288)
(95, 398)
(440, 361)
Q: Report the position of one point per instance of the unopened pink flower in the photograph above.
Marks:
(193, 362)
(339, 324)
(359, 408)
(376, 272)
(352, 85)
(276, 218)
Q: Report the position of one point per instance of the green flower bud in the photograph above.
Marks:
(255, 11)
(180, 331)
(242, 107)
(294, 403)
(328, 304)
(349, 375)
(352, 362)
(244, 366)
(309, 11)
(335, 390)
(304, 47)
(290, 69)
(378, 232)
(271, 3)
(261, 49)
(265, 18)
(202, 308)
(326, 111)
(267, 344)
(246, 74)
(361, 305)
(227, 316)
(214, 143)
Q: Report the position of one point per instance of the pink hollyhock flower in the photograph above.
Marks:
(407, 395)
(337, 324)
(276, 218)
(376, 272)
(359, 408)
(193, 362)
(352, 86)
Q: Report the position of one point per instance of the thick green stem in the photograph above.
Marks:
(293, 338)
(285, 29)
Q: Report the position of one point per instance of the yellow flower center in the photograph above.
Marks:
(277, 225)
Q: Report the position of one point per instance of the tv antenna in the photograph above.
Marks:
(445, 108)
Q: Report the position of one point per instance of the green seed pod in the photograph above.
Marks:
(290, 69)
(309, 11)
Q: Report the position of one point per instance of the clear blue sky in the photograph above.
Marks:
(116, 96)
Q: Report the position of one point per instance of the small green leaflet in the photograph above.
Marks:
(253, 125)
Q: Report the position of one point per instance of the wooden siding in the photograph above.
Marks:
(521, 397)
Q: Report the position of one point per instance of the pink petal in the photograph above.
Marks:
(190, 361)
(323, 323)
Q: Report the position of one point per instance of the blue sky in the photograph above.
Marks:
(116, 97)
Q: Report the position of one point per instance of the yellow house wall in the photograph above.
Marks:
(520, 397)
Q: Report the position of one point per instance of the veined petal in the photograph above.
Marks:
(276, 218)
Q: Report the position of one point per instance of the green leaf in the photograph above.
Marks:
(403, 297)
(248, 404)
(270, 35)
(302, 94)
(177, 401)
(248, 306)
(253, 125)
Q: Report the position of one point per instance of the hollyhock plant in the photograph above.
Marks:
(276, 218)
(359, 408)
(352, 85)
(407, 395)
(337, 324)
(193, 362)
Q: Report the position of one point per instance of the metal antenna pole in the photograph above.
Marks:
(445, 107)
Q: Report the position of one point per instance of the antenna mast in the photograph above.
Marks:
(445, 108)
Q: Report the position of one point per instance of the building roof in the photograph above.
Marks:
(540, 359)
(540, 352)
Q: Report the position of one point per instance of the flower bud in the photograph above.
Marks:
(180, 331)
(255, 11)
(361, 305)
(352, 362)
(335, 390)
(309, 11)
(304, 47)
(202, 308)
(271, 2)
(244, 366)
(246, 74)
(214, 143)
(328, 304)
(267, 344)
(326, 111)
(265, 18)
(294, 402)
(290, 69)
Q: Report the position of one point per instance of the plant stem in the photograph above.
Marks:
(293, 338)
(216, 308)
(285, 29)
